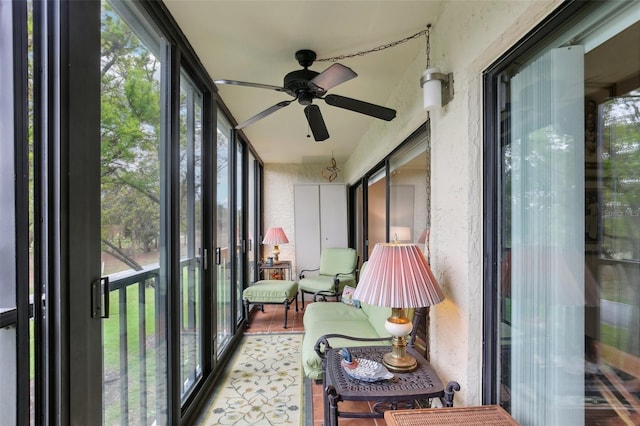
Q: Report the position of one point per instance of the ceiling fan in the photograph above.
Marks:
(306, 85)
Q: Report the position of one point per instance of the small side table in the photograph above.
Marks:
(399, 392)
(280, 270)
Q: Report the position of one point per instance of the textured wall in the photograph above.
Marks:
(467, 37)
(476, 34)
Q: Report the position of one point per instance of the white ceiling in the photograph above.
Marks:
(255, 41)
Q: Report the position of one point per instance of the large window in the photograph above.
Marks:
(561, 221)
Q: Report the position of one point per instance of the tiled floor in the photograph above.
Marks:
(271, 321)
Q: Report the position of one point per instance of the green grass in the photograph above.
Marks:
(616, 337)
(111, 326)
(112, 347)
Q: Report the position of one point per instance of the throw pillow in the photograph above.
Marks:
(347, 296)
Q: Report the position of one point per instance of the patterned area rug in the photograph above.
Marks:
(263, 385)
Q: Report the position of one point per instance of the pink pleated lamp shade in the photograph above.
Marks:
(275, 236)
(398, 276)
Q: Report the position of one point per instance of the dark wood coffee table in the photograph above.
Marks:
(400, 392)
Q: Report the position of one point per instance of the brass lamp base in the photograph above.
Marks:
(408, 365)
(398, 361)
(276, 253)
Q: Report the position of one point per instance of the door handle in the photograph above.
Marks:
(100, 298)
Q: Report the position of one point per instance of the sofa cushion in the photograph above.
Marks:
(322, 318)
(323, 311)
(377, 316)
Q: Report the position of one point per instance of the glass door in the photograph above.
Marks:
(409, 190)
(358, 219)
(240, 242)
(566, 212)
(376, 210)
(14, 224)
(252, 220)
(191, 249)
(133, 236)
(224, 294)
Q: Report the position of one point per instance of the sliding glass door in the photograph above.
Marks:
(376, 210)
(395, 205)
(111, 310)
(14, 217)
(562, 208)
(409, 190)
(224, 294)
(192, 252)
(239, 225)
(133, 193)
(253, 217)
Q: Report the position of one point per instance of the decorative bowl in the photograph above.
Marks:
(367, 370)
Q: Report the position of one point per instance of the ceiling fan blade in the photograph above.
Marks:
(362, 107)
(247, 84)
(263, 114)
(331, 77)
(316, 122)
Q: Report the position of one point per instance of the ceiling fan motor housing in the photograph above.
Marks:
(298, 82)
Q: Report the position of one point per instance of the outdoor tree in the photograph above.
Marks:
(130, 131)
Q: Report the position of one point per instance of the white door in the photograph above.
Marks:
(307, 226)
(333, 216)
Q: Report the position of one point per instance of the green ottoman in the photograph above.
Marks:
(270, 292)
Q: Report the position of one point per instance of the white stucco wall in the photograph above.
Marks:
(466, 38)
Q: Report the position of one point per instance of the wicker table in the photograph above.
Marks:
(400, 392)
(486, 415)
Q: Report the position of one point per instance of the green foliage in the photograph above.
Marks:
(620, 172)
(130, 139)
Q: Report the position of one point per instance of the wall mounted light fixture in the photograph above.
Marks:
(437, 87)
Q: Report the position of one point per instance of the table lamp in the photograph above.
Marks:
(401, 234)
(275, 236)
(398, 276)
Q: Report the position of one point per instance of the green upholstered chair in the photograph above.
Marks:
(337, 269)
